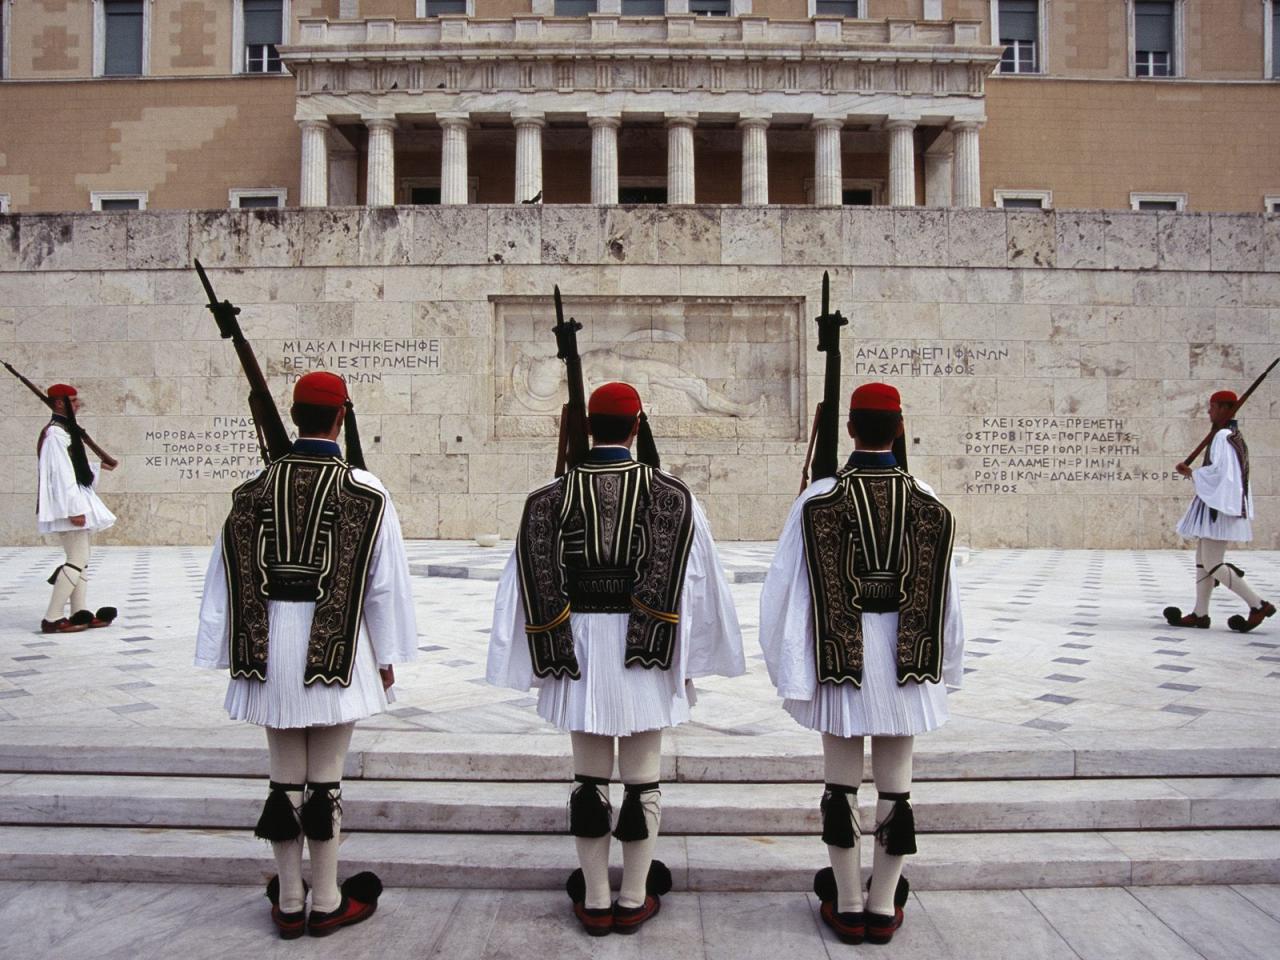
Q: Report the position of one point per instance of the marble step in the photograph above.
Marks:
(945, 861)
(949, 754)
(984, 806)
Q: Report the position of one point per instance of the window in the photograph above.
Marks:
(242, 199)
(4, 203)
(123, 30)
(644, 8)
(575, 8)
(434, 8)
(263, 31)
(426, 190)
(116, 200)
(1158, 201)
(1024, 199)
(709, 8)
(642, 194)
(1153, 36)
(854, 192)
(4, 39)
(1271, 38)
(1271, 204)
(837, 8)
(1018, 26)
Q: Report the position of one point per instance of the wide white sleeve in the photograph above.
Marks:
(60, 495)
(388, 596)
(709, 627)
(509, 664)
(953, 634)
(211, 635)
(786, 615)
(1220, 484)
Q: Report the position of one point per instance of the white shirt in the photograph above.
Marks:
(61, 497)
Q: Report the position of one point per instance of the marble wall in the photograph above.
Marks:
(1054, 365)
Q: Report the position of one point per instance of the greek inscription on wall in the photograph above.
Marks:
(226, 449)
(360, 360)
(913, 358)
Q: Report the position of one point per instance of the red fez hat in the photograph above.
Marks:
(1224, 396)
(61, 390)
(615, 400)
(876, 396)
(320, 389)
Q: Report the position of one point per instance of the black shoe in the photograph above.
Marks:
(1256, 616)
(1175, 618)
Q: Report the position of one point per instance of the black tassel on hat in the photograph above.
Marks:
(588, 809)
(900, 451)
(897, 832)
(355, 455)
(646, 449)
(632, 824)
(318, 811)
(839, 819)
(279, 820)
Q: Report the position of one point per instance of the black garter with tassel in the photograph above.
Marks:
(317, 812)
(279, 820)
(632, 824)
(588, 810)
(897, 832)
(839, 816)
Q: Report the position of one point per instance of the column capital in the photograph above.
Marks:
(529, 120)
(380, 122)
(681, 120)
(748, 121)
(459, 120)
(977, 124)
(827, 123)
(901, 123)
(604, 120)
(314, 123)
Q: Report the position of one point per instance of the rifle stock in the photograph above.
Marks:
(1239, 403)
(824, 440)
(108, 461)
(273, 439)
(571, 449)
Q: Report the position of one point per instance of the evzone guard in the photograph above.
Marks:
(69, 508)
(307, 602)
(1221, 511)
(861, 630)
(612, 602)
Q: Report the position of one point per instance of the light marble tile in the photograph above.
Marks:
(1236, 242)
(1183, 241)
(1031, 238)
(751, 235)
(1079, 236)
(1111, 923)
(1130, 240)
(1011, 926)
(1218, 922)
(760, 925)
(158, 240)
(1266, 897)
(976, 238)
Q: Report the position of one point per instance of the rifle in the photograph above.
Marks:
(108, 461)
(571, 448)
(824, 438)
(273, 440)
(1239, 403)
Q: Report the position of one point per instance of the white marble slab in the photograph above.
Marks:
(1218, 922)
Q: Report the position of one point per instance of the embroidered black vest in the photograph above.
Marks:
(1236, 440)
(604, 538)
(877, 542)
(303, 530)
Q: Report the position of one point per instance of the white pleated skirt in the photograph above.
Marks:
(283, 701)
(880, 707)
(1197, 522)
(612, 699)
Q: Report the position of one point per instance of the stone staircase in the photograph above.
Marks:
(739, 813)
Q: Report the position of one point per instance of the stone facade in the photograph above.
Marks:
(1054, 365)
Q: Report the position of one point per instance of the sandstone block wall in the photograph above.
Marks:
(1054, 365)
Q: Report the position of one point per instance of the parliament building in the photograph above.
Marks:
(1066, 104)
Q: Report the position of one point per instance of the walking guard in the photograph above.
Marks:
(307, 601)
(611, 604)
(1220, 511)
(69, 507)
(861, 631)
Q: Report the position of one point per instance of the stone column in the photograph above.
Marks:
(380, 185)
(937, 179)
(528, 155)
(902, 161)
(453, 161)
(755, 161)
(314, 182)
(968, 189)
(604, 157)
(680, 186)
(828, 179)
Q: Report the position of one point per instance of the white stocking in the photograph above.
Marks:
(891, 767)
(70, 582)
(326, 756)
(1210, 554)
(640, 761)
(288, 749)
(843, 765)
(593, 757)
